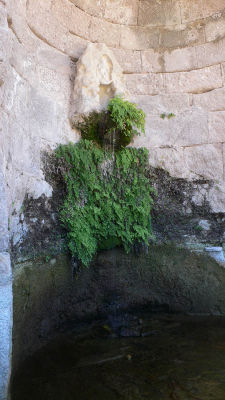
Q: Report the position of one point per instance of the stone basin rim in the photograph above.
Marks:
(211, 249)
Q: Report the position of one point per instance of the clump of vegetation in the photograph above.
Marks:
(108, 198)
(169, 116)
(114, 127)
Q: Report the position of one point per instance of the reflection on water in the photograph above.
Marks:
(166, 357)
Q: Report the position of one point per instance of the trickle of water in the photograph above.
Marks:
(113, 142)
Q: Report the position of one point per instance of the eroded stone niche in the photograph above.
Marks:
(99, 77)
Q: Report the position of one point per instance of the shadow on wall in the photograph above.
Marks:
(49, 295)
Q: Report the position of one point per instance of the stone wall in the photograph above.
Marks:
(5, 292)
(5, 264)
(172, 54)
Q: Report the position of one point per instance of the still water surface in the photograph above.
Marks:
(166, 357)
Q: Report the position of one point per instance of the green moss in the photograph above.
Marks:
(108, 198)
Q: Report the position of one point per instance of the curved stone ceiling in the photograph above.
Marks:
(129, 24)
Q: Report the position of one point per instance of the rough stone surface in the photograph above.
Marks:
(99, 78)
(172, 55)
(5, 324)
(5, 293)
(44, 40)
(205, 163)
(47, 296)
(159, 13)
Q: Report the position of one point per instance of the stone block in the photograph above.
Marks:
(139, 38)
(210, 53)
(38, 187)
(194, 10)
(72, 18)
(34, 6)
(25, 149)
(205, 161)
(104, 32)
(146, 84)
(197, 81)
(92, 7)
(191, 10)
(74, 46)
(43, 116)
(217, 127)
(23, 63)
(165, 103)
(170, 159)
(216, 197)
(172, 38)
(152, 61)
(49, 120)
(187, 128)
(215, 30)
(42, 25)
(180, 60)
(122, 11)
(129, 60)
(158, 13)
(23, 31)
(53, 59)
(54, 85)
(212, 101)
(213, 8)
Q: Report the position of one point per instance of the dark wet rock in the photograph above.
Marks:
(186, 363)
(129, 331)
(49, 295)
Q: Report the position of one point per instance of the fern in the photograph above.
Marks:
(115, 126)
(108, 198)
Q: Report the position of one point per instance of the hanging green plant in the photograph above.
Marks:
(114, 127)
(108, 199)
